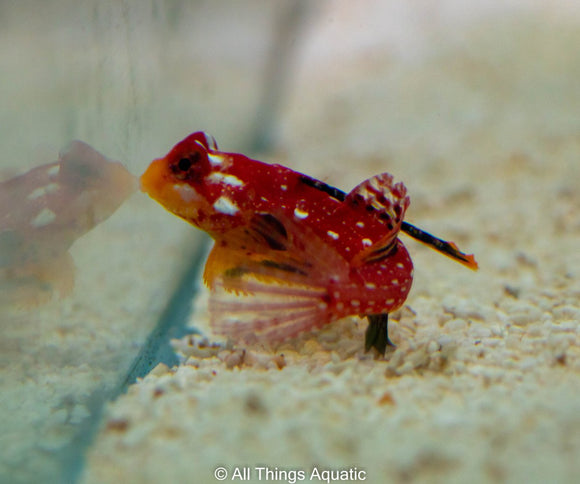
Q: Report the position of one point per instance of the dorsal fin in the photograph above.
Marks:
(379, 193)
(388, 201)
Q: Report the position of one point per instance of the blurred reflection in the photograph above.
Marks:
(44, 211)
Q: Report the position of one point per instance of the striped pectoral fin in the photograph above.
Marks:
(265, 296)
(277, 290)
(246, 307)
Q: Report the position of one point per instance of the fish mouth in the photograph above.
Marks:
(152, 181)
(174, 195)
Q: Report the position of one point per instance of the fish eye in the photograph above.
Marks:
(184, 164)
(187, 165)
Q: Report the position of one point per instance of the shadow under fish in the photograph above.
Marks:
(44, 211)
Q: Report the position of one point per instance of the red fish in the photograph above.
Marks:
(42, 213)
(291, 253)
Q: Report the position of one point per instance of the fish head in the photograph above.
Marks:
(183, 181)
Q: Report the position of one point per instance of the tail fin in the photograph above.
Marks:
(449, 249)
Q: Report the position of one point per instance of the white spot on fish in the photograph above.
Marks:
(355, 303)
(400, 265)
(360, 224)
(340, 306)
(370, 285)
(332, 234)
(283, 187)
(186, 192)
(231, 180)
(390, 301)
(226, 206)
(367, 243)
(300, 214)
(44, 217)
(215, 159)
(41, 191)
(395, 282)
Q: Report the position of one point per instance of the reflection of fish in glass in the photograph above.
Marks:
(44, 211)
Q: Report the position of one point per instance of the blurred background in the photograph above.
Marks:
(439, 93)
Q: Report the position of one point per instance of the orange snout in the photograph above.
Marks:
(154, 178)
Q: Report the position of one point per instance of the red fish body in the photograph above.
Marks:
(291, 253)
